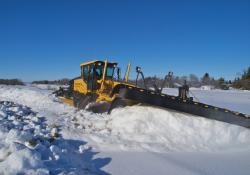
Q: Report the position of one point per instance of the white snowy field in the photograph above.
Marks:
(48, 137)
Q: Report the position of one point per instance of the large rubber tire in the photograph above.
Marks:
(84, 101)
(116, 103)
(80, 100)
(99, 107)
(75, 99)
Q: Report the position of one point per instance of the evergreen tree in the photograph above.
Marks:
(194, 80)
(244, 81)
(205, 79)
(248, 74)
(222, 83)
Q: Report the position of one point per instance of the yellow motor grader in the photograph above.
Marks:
(100, 88)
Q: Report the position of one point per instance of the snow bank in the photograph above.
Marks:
(30, 146)
(18, 135)
(52, 87)
(142, 128)
(138, 128)
(40, 100)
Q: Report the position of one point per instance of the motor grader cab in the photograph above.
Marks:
(101, 89)
(93, 79)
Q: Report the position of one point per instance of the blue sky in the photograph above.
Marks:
(48, 39)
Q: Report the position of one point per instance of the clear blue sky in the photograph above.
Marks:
(48, 39)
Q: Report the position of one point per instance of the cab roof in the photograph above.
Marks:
(96, 61)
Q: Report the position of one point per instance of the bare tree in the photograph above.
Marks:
(194, 81)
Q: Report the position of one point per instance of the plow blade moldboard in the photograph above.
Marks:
(187, 106)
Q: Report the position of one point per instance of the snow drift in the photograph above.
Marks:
(127, 131)
(136, 128)
(150, 129)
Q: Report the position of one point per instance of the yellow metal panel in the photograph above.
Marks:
(67, 101)
(127, 72)
(80, 86)
(104, 74)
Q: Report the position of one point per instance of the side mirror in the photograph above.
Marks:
(170, 74)
(138, 69)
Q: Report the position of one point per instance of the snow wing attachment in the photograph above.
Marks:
(184, 104)
(181, 103)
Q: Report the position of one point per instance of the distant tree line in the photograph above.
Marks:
(63, 81)
(191, 80)
(11, 82)
(243, 82)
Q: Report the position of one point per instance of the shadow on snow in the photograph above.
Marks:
(76, 161)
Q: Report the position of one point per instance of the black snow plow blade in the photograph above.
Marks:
(188, 106)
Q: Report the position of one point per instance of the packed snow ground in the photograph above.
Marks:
(132, 140)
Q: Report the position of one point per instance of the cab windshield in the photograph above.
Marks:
(99, 68)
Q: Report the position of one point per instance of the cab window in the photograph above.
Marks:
(98, 71)
(110, 72)
(85, 72)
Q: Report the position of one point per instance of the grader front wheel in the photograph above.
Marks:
(116, 103)
(81, 101)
